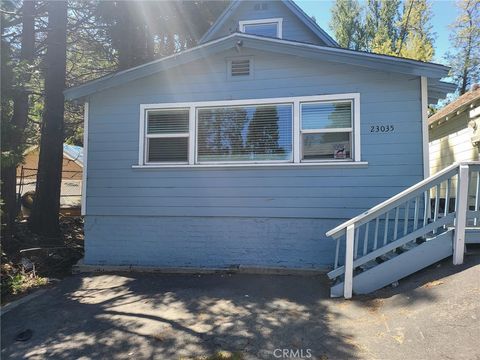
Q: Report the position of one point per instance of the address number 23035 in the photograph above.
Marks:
(382, 128)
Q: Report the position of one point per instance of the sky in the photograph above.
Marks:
(444, 13)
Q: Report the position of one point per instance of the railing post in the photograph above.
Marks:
(348, 281)
(462, 207)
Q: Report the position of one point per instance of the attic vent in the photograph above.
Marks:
(239, 67)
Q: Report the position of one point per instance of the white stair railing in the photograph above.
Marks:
(427, 208)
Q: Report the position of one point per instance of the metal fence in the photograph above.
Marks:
(70, 193)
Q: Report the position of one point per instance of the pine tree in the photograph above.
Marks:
(46, 207)
(16, 91)
(465, 40)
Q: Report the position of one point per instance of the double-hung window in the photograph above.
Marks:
(326, 130)
(293, 130)
(167, 134)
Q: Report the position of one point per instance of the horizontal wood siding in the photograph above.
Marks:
(293, 28)
(261, 216)
(451, 142)
(395, 159)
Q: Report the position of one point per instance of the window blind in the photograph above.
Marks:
(245, 133)
(326, 130)
(167, 136)
(167, 121)
(326, 115)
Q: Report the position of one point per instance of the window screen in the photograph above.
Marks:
(167, 136)
(269, 29)
(245, 133)
(326, 130)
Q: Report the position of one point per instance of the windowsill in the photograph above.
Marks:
(332, 164)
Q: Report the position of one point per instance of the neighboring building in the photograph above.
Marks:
(454, 131)
(248, 148)
(72, 172)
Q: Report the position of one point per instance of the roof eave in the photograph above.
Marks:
(380, 62)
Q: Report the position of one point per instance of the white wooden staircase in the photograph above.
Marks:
(422, 225)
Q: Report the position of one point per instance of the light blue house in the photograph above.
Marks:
(246, 149)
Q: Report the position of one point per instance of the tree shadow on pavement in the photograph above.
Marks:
(152, 316)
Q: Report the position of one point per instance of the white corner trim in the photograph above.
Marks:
(424, 118)
(278, 21)
(83, 203)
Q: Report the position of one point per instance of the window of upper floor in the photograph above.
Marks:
(262, 27)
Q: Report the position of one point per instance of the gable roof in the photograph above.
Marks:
(285, 47)
(290, 4)
(460, 104)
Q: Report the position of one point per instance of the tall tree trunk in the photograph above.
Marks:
(46, 206)
(19, 122)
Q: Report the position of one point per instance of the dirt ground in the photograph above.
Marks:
(434, 314)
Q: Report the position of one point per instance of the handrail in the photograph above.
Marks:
(356, 231)
(394, 201)
(393, 245)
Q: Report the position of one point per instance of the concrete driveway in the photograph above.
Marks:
(432, 315)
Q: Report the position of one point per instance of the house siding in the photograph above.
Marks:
(293, 28)
(451, 142)
(261, 216)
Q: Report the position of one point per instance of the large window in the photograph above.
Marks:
(326, 129)
(309, 129)
(245, 133)
(263, 27)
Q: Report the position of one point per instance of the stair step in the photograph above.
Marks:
(367, 266)
(408, 246)
(385, 257)
(388, 272)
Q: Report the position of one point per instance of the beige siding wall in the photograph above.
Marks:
(450, 142)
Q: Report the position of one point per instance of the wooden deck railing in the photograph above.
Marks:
(425, 209)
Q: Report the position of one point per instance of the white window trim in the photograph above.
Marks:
(278, 21)
(296, 146)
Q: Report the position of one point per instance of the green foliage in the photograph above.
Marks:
(18, 283)
(464, 58)
(416, 39)
(347, 24)
(381, 27)
(140, 31)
